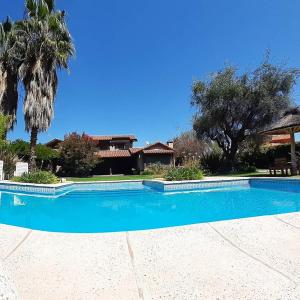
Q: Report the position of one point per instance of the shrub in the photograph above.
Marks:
(212, 163)
(187, 146)
(45, 156)
(77, 155)
(9, 158)
(156, 169)
(42, 177)
(147, 172)
(184, 173)
(245, 168)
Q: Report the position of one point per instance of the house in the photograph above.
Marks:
(117, 154)
(275, 140)
(54, 144)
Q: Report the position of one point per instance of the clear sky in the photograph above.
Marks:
(136, 59)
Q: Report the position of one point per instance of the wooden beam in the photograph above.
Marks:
(293, 154)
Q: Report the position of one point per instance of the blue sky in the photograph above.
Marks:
(136, 59)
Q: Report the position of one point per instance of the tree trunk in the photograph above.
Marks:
(230, 158)
(33, 141)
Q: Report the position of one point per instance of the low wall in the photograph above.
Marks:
(33, 188)
(282, 184)
(164, 186)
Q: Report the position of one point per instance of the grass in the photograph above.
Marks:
(262, 173)
(108, 178)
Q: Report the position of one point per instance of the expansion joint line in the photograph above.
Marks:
(285, 222)
(18, 245)
(250, 255)
(131, 255)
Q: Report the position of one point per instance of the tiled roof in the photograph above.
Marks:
(280, 139)
(158, 146)
(113, 153)
(130, 152)
(135, 150)
(158, 151)
(53, 143)
(112, 137)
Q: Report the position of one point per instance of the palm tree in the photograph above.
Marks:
(47, 45)
(9, 63)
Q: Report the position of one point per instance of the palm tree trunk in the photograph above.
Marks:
(33, 141)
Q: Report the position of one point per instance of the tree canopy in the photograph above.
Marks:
(46, 45)
(9, 63)
(187, 144)
(233, 106)
(32, 50)
(77, 155)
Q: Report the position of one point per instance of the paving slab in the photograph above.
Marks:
(73, 266)
(252, 258)
(195, 262)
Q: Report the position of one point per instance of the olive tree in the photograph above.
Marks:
(231, 106)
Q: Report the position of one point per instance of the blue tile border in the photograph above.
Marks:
(32, 188)
(163, 186)
(291, 185)
(62, 188)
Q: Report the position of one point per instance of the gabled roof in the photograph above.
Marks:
(135, 150)
(158, 146)
(158, 151)
(129, 137)
(53, 143)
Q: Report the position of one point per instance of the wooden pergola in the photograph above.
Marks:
(289, 123)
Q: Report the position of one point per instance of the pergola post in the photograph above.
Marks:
(293, 154)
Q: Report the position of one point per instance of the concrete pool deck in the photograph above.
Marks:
(253, 258)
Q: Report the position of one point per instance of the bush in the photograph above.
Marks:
(184, 173)
(245, 168)
(147, 172)
(156, 169)
(212, 163)
(45, 156)
(9, 158)
(42, 177)
(77, 155)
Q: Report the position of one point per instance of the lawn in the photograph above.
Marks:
(113, 177)
(261, 173)
(264, 173)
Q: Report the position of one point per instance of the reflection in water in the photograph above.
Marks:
(18, 201)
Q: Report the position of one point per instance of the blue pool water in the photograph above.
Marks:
(94, 209)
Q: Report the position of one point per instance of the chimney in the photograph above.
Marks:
(170, 144)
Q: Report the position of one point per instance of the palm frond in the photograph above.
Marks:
(47, 45)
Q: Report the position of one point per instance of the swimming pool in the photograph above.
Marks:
(89, 208)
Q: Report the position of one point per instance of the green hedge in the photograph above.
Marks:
(184, 173)
(42, 177)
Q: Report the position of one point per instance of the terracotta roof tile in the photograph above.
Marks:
(135, 150)
(158, 151)
(113, 153)
(158, 145)
(112, 137)
(53, 143)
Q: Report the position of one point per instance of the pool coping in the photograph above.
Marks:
(158, 184)
(238, 243)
